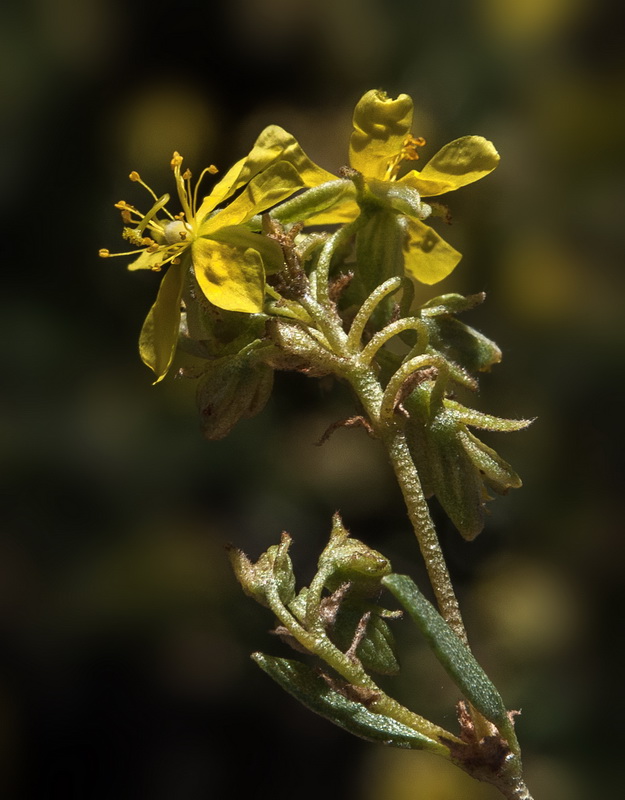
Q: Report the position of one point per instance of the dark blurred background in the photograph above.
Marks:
(125, 640)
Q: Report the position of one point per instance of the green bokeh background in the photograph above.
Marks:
(125, 640)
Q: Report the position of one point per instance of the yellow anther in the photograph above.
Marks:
(156, 268)
(153, 248)
(409, 147)
(213, 169)
(126, 216)
(147, 241)
(186, 175)
(104, 253)
(122, 204)
(179, 216)
(176, 160)
(134, 176)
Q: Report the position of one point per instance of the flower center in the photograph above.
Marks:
(176, 231)
(408, 152)
(168, 237)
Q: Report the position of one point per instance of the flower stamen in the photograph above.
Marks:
(212, 170)
(408, 152)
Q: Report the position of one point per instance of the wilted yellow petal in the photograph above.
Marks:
(157, 342)
(274, 184)
(428, 257)
(459, 163)
(230, 277)
(380, 126)
(273, 144)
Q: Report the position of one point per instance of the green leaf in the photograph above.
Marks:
(376, 651)
(455, 657)
(313, 691)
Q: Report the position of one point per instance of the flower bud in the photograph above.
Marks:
(273, 567)
(347, 559)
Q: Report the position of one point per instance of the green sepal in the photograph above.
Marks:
(453, 464)
(314, 692)
(451, 303)
(273, 568)
(460, 343)
(497, 474)
(486, 422)
(232, 388)
(210, 332)
(312, 202)
(298, 349)
(380, 256)
(455, 657)
(447, 470)
(349, 560)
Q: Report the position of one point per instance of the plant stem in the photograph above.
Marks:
(419, 515)
(370, 394)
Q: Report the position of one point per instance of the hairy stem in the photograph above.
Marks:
(319, 644)
(370, 394)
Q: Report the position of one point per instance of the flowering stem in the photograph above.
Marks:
(317, 642)
(370, 394)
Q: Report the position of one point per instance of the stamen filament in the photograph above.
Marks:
(213, 170)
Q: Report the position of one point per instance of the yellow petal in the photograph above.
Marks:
(380, 126)
(243, 238)
(230, 277)
(273, 144)
(428, 257)
(274, 184)
(157, 342)
(460, 162)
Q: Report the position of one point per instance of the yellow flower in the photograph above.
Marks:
(228, 260)
(381, 144)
